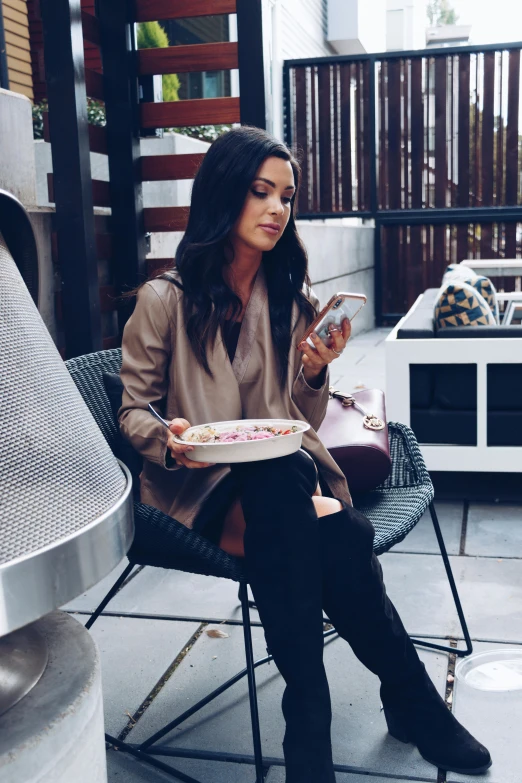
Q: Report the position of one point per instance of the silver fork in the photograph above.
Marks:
(166, 424)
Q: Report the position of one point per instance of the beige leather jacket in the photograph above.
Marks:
(159, 367)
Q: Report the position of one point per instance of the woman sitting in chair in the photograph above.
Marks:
(214, 339)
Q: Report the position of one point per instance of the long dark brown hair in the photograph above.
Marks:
(218, 195)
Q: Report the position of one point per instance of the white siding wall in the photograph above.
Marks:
(294, 29)
(303, 29)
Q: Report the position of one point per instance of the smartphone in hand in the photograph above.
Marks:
(340, 306)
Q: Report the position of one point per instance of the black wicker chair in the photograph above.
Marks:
(394, 509)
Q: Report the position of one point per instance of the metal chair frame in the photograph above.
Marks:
(395, 508)
(145, 750)
(148, 750)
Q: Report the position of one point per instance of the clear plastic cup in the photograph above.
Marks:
(494, 670)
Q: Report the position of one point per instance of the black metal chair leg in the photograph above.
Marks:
(252, 604)
(454, 591)
(145, 757)
(112, 592)
(251, 677)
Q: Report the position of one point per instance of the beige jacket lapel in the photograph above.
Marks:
(247, 335)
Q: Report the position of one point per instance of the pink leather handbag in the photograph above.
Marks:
(355, 433)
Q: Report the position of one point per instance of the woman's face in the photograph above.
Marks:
(267, 207)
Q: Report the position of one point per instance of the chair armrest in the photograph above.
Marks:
(396, 506)
(408, 466)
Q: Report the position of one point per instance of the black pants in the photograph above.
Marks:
(297, 566)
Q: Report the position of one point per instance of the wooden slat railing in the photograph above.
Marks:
(98, 139)
(90, 28)
(203, 111)
(155, 265)
(97, 135)
(165, 218)
(166, 167)
(329, 112)
(111, 69)
(447, 124)
(187, 59)
(153, 10)
(100, 191)
(94, 84)
(452, 141)
(103, 245)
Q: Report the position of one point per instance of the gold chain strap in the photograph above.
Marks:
(370, 421)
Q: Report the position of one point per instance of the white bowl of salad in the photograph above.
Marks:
(244, 440)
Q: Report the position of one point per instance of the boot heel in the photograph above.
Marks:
(395, 727)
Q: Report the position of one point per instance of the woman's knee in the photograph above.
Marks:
(325, 506)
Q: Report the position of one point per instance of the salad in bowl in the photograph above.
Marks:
(245, 440)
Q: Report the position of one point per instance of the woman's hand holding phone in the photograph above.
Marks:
(317, 357)
(326, 337)
(178, 450)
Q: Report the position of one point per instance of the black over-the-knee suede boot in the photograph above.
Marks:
(284, 569)
(356, 602)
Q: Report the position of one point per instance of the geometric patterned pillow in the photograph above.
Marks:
(483, 284)
(460, 304)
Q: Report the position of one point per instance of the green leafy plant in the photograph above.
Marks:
(38, 127)
(440, 12)
(95, 112)
(207, 133)
(95, 115)
(152, 35)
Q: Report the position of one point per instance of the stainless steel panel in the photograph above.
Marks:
(65, 502)
(23, 658)
(35, 584)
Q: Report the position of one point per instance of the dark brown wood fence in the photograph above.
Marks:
(329, 127)
(427, 143)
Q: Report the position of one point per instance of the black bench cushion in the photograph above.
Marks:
(444, 386)
(436, 426)
(505, 387)
(459, 428)
(458, 332)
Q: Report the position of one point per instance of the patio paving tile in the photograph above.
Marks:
(277, 775)
(490, 590)
(209, 664)
(494, 529)
(122, 768)
(134, 655)
(422, 538)
(160, 591)
(359, 731)
(419, 588)
(491, 594)
(495, 719)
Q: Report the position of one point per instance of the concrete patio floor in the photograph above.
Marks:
(158, 659)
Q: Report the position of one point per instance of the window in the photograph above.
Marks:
(197, 30)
